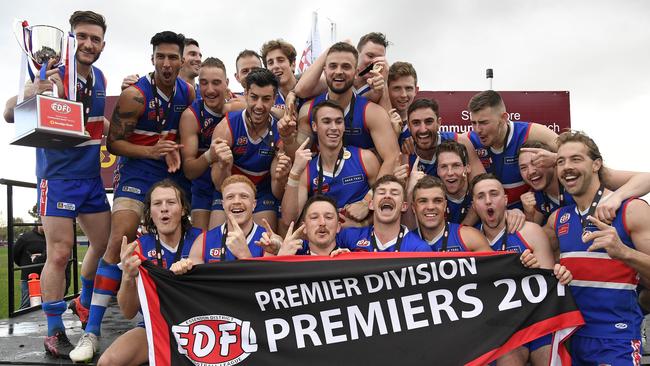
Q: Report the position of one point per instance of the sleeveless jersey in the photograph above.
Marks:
(206, 120)
(430, 167)
(356, 131)
(505, 164)
(83, 160)
(348, 185)
(457, 209)
(147, 244)
(515, 243)
(359, 239)
(146, 131)
(280, 102)
(547, 204)
(603, 288)
(214, 243)
(454, 243)
(252, 158)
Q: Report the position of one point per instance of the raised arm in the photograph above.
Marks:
(193, 165)
(383, 137)
(222, 141)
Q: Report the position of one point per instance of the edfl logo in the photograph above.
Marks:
(60, 108)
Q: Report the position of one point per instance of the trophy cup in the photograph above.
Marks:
(47, 120)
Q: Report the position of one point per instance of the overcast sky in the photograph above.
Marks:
(597, 50)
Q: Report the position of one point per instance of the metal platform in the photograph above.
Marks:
(21, 338)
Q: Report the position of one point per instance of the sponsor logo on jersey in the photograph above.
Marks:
(511, 160)
(239, 150)
(265, 152)
(363, 243)
(215, 252)
(268, 202)
(565, 218)
(100, 94)
(131, 189)
(562, 230)
(620, 326)
(65, 206)
(353, 131)
(215, 340)
(179, 108)
(353, 179)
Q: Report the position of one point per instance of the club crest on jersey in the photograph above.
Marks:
(482, 153)
(324, 188)
(565, 218)
(152, 104)
(215, 340)
(215, 252)
(207, 122)
(242, 140)
(363, 243)
(152, 253)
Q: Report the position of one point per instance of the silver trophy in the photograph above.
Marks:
(46, 120)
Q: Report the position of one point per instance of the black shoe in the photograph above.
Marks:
(58, 345)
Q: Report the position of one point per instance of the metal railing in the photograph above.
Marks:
(12, 268)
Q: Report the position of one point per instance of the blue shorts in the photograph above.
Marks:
(134, 186)
(71, 197)
(605, 351)
(266, 201)
(184, 183)
(539, 342)
(202, 199)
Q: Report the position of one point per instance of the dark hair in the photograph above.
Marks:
(536, 145)
(374, 37)
(317, 198)
(401, 69)
(343, 47)
(578, 136)
(246, 53)
(191, 41)
(482, 177)
(455, 147)
(169, 37)
(428, 181)
(424, 103)
(261, 77)
(389, 178)
(485, 99)
(214, 62)
(87, 17)
(185, 204)
(285, 47)
(326, 103)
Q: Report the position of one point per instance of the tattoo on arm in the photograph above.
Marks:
(122, 124)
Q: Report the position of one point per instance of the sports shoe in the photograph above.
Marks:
(58, 345)
(86, 348)
(79, 310)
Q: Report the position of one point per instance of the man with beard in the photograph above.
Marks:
(367, 125)
(429, 206)
(143, 133)
(497, 140)
(70, 185)
(235, 239)
(424, 123)
(386, 234)
(196, 126)
(606, 261)
(245, 143)
(170, 237)
(548, 194)
(490, 201)
(344, 173)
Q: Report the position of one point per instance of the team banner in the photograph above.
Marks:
(358, 309)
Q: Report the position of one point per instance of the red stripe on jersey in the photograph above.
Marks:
(514, 194)
(95, 129)
(143, 140)
(256, 179)
(600, 270)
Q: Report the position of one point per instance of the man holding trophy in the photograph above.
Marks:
(69, 179)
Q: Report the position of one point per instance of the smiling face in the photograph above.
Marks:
(339, 71)
(538, 178)
(367, 55)
(191, 60)
(329, 126)
(575, 169)
(259, 101)
(239, 201)
(212, 85)
(424, 124)
(244, 66)
(429, 205)
(278, 63)
(388, 203)
(452, 172)
(90, 42)
(490, 201)
(321, 224)
(167, 61)
(166, 210)
(402, 91)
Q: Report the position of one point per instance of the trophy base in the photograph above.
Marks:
(48, 122)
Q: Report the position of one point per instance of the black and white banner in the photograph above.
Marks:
(357, 309)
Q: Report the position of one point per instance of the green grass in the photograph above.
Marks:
(4, 281)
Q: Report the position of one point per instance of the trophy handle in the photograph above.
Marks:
(19, 32)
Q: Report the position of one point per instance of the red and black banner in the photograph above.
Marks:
(360, 308)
